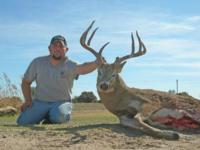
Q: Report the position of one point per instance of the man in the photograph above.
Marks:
(54, 76)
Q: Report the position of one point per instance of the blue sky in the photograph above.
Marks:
(170, 30)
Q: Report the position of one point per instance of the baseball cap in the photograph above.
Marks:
(59, 38)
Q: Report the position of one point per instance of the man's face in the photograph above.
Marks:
(58, 50)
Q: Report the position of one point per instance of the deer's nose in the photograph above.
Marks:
(104, 86)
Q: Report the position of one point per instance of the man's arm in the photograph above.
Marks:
(26, 90)
(86, 67)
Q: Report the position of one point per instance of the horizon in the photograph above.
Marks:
(169, 31)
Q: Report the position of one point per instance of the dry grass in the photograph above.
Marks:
(13, 101)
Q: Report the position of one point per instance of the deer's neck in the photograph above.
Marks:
(111, 100)
(120, 85)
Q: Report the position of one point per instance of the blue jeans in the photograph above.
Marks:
(55, 112)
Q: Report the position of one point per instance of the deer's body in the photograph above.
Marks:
(153, 107)
(145, 110)
(151, 103)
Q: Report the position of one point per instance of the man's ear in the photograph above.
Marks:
(49, 47)
(66, 49)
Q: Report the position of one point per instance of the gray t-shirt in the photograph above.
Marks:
(53, 82)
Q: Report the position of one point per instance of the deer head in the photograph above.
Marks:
(108, 73)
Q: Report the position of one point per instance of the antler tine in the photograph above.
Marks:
(93, 33)
(141, 44)
(133, 54)
(83, 39)
(84, 35)
(102, 48)
(133, 44)
(87, 46)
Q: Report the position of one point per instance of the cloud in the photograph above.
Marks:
(160, 24)
(175, 48)
(179, 74)
(193, 19)
(194, 65)
(180, 27)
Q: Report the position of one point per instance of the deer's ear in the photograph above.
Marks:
(121, 66)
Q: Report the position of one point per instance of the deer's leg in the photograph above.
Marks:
(138, 124)
(157, 124)
(154, 131)
(129, 122)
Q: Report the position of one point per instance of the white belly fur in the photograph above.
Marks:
(165, 112)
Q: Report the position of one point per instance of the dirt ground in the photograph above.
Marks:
(89, 137)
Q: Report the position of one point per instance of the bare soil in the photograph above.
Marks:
(89, 137)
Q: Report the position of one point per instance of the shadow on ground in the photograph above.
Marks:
(31, 127)
(117, 128)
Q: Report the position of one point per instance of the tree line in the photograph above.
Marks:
(84, 97)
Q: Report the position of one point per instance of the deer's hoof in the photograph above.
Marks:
(175, 136)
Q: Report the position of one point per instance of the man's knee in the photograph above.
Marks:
(22, 121)
(61, 118)
(26, 119)
(34, 114)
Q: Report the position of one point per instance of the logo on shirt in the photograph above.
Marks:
(62, 74)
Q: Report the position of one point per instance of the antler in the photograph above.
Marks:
(87, 46)
(141, 51)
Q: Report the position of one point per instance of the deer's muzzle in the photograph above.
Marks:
(104, 86)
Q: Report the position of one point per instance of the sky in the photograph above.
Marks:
(169, 29)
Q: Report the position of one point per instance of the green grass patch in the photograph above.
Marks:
(82, 114)
(8, 119)
(88, 106)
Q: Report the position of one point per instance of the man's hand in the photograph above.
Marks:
(27, 103)
(26, 90)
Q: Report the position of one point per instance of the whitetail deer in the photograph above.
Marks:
(146, 110)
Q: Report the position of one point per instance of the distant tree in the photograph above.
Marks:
(86, 97)
(183, 94)
(172, 91)
(75, 99)
(100, 101)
